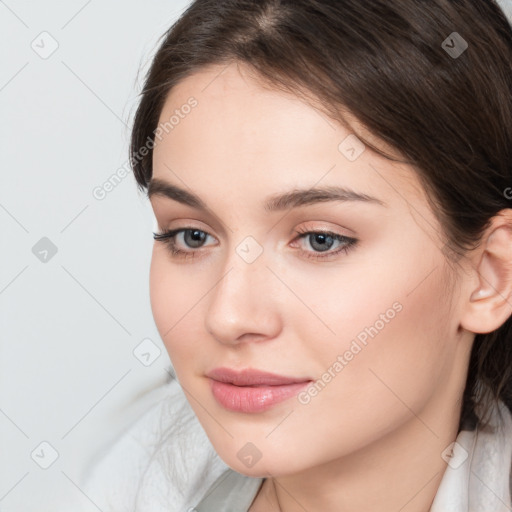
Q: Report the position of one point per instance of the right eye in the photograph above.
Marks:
(191, 237)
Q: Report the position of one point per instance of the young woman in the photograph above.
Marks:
(332, 267)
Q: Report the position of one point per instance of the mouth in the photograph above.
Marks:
(252, 391)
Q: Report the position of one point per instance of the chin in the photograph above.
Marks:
(260, 469)
(257, 460)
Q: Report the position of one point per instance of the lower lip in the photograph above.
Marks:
(253, 398)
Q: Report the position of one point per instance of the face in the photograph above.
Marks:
(346, 298)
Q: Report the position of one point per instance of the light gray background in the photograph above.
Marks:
(68, 375)
(69, 325)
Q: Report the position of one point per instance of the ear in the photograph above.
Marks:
(489, 303)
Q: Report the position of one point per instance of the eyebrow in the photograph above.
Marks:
(293, 199)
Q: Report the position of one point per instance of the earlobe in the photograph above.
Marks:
(490, 302)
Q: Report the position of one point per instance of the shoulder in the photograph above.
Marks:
(159, 463)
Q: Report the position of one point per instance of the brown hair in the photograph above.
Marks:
(388, 64)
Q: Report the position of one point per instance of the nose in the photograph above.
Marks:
(243, 304)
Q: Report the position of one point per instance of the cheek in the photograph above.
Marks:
(381, 333)
(176, 302)
(159, 292)
(389, 354)
(166, 290)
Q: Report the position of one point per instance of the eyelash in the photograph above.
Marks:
(168, 238)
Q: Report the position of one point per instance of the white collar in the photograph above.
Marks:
(478, 476)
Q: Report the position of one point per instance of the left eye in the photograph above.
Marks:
(194, 239)
(321, 239)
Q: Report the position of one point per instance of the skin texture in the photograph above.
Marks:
(372, 438)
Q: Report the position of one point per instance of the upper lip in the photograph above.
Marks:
(252, 377)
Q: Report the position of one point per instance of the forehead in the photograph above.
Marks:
(240, 129)
(238, 113)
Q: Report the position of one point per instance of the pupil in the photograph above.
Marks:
(196, 236)
(322, 237)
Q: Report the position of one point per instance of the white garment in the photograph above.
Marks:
(480, 483)
(112, 478)
(483, 481)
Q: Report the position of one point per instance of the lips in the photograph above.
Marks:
(252, 390)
